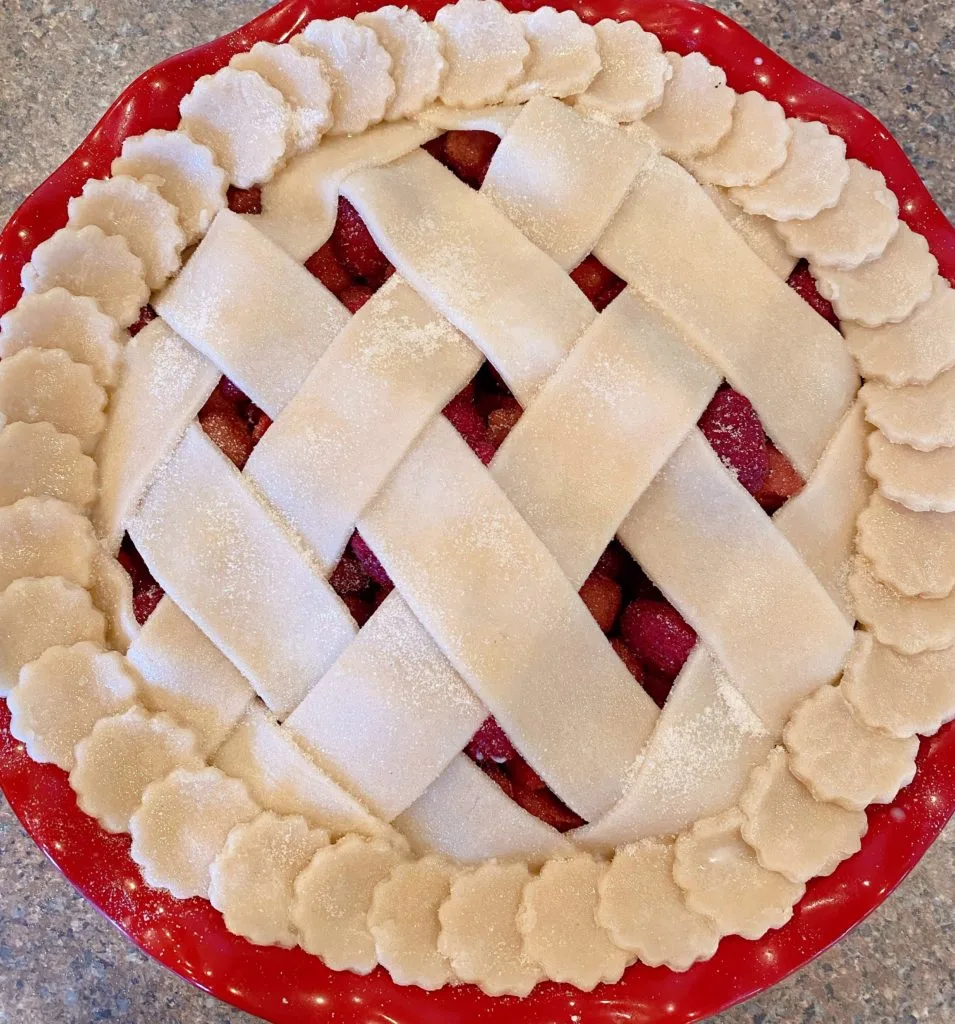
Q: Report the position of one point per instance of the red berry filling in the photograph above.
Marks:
(324, 265)
(733, 429)
(656, 632)
(782, 482)
(146, 315)
(233, 421)
(467, 154)
(600, 285)
(356, 250)
(244, 200)
(147, 593)
(801, 281)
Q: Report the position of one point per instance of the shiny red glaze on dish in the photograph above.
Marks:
(290, 987)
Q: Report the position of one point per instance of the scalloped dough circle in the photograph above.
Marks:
(922, 481)
(811, 179)
(36, 614)
(45, 537)
(697, 109)
(485, 50)
(333, 896)
(856, 230)
(755, 148)
(184, 171)
(633, 73)
(908, 624)
(73, 323)
(243, 120)
(919, 415)
(136, 210)
(914, 351)
(404, 922)
(124, 754)
(914, 552)
(182, 824)
(36, 459)
(887, 290)
(63, 694)
(300, 78)
(479, 933)
(417, 60)
(43, 385)
(645, 911)
(252, 877)
(91, 263)
(903, 695)
(563, 59)
(558, 919)
(840, 758)
(792, 832)
(357, 67)
(724, 881)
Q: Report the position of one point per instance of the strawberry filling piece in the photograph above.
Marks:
(467, 154)
(600, 285)
(244, 200)
(802, 283)
(146, 315)
(147, 593)
(233, 421)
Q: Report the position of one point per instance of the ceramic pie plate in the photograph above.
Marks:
(282, 985)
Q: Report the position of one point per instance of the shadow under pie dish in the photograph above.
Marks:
(721, 438)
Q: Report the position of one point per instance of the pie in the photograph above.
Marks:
(442, 520)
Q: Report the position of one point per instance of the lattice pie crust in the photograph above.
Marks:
(307, 777)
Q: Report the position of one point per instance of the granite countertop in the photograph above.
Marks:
(63, 62)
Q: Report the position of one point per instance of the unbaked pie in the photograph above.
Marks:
(441, 520)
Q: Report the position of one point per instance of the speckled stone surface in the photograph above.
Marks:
(60, 66)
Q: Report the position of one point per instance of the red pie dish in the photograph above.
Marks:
(654, 637)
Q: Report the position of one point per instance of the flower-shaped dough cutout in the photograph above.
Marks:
(724, 881)
(63, 694)
(791, 831)
(184, 171)
(558, 919)
(811, 179)
(919, 415)
(903, 695)
(43, 385)
(136, 210)
(697, 109)
(299, 78)
(417, 61)
(756, 146)
(36, 614)
(633, 73)
(563, 60)
(645, 911)
(914, 552)
(922, 481)
(840, 758)
(36, 459)
(357, 67)
(243, 120)
(90, 263)
(479, 929)
(485, 50)
(908, 624)
(333, 896)
(182, 824)
(404, 922)
(112, 591)
(57, 319)
(121, 757)
(914, 351)
(252, 878)
(887, 290)
(45, 537)
(854, 231)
